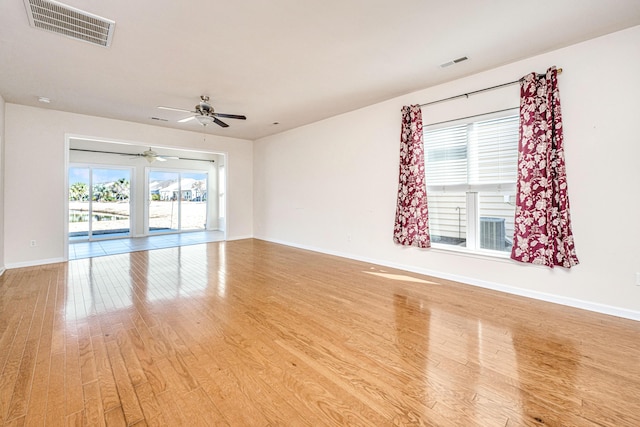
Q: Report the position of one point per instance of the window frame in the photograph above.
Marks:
(472, 191)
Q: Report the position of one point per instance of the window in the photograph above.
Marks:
(471, 170)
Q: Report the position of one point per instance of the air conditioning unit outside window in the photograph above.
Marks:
(492, 233)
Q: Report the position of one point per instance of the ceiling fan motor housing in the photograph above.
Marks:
(204, 107)
(204, 113)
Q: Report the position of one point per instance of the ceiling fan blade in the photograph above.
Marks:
(169, 157)
(220, 123)
(175, 109)
(231, 116)
(186, 119)
(160, 159)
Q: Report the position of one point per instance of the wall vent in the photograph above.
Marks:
(59, 18)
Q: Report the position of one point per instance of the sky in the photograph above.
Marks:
(99, 175)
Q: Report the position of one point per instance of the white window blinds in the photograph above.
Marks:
(482, 152)
(493, 150)
(446, 155)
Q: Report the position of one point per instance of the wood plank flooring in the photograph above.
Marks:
(250, 333)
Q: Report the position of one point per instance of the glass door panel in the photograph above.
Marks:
(193, 203)
(110, 202)
(79, 205)
(222, 197)
(164, 203)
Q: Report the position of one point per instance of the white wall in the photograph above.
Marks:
(35, 175)
(331, 186)
(2, 114)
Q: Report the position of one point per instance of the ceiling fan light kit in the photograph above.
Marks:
(204, 114)
(204, 120)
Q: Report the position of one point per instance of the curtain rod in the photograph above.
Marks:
(134, 154)
(466, 95)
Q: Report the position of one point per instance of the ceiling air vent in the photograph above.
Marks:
(62, 19)
(455, 61)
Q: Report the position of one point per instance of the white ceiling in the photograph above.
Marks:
(287, 61)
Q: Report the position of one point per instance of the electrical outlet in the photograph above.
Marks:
(638, 279)
(33, 243)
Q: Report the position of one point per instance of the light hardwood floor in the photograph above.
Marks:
(250, 333)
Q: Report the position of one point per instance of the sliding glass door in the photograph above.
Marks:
(177, 201)
(194, 201)
(99, 202)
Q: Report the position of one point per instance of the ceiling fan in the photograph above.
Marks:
(205, 114)
(151, 156)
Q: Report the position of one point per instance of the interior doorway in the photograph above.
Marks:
(175, 192)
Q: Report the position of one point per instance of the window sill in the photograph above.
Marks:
(482, 254)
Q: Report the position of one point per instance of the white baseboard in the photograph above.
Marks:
(2, 270)
(34, 263)
(239, 238)
(557, 299)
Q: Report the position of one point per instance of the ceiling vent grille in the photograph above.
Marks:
(71, 22)
(455, 61)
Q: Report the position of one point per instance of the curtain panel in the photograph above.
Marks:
(412, 216)
(542, 221)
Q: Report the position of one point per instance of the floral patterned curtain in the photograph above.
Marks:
(542, 223)
(412, 217)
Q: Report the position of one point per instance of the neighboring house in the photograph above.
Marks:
(190, 189)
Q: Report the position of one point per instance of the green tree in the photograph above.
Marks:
(79, 191)
(103, 193)
(121, 189)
